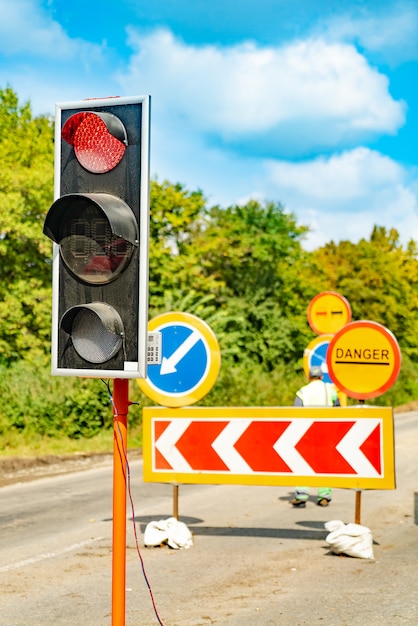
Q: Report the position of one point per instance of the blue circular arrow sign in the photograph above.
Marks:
(316, 354)
(184, 360)
(190, 360)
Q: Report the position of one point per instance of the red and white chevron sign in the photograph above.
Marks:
(337, 447)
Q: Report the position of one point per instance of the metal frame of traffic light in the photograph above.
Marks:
(110, 303)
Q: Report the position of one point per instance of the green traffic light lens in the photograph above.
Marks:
(96, 331)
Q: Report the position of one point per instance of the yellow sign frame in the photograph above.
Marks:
(210, 414)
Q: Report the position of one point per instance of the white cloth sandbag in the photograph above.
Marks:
(350, 539)
(155, 534)
(170, 531)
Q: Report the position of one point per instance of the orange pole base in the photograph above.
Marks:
(120, 411)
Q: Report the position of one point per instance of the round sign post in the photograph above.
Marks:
(364, 359)
(190, 361)
(328, 312)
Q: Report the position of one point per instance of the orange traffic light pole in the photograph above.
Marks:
(120, 411)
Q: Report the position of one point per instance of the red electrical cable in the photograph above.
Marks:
(123, 456)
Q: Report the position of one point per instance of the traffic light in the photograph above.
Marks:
(99, 224)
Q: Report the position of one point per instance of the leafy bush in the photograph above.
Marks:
(251, 385)
(36, 403)
(404, 390)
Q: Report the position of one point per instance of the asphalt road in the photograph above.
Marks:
(255, 560)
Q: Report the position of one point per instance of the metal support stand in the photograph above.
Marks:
(176, 501)
(358, 507)
(358, 494)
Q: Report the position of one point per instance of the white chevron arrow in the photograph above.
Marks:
(285, 447)
(166, 444)
(169, 365)
(349, 447)
(224, 446)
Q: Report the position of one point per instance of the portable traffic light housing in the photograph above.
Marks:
(99, 224)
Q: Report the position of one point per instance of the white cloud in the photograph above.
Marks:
(338, 178)
(290, 99)
(344, 196)
(229, 120)
(391, 33)
(43, 64)
(399, 212)
(27, 29)
(212, 107)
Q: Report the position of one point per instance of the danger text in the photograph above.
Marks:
(362, 354)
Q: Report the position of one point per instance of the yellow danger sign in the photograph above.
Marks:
(364, 359)
(328, 312)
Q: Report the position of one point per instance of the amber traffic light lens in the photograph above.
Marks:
(89, 247)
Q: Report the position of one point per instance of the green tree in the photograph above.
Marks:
(247, 261)
(254, 253)
(176, 217)
(379, 277)
(242, 269)
(26, 192)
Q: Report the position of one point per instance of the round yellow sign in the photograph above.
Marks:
(364, 359)
(328, 312)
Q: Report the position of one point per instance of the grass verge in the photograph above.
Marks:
(19, 445)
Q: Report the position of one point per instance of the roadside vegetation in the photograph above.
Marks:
(242, 269)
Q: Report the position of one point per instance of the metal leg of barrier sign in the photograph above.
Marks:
(358, 507)
(358, 495)
(176, 501)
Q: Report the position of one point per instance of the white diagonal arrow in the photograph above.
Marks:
(285, 447)
(224, 446)
(168, 365)
(349, 447)
(166, 444)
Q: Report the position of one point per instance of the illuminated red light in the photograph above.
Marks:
(96, 147)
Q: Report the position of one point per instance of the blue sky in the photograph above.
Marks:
(311, 104)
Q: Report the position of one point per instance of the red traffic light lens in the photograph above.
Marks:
(99, 140)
